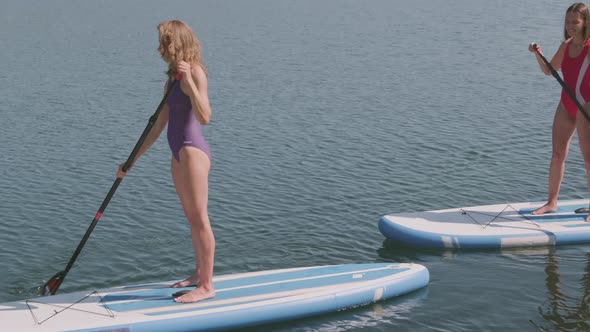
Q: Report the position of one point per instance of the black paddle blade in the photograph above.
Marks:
(582, 210)
(52, 285)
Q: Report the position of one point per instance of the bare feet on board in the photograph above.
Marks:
(547, 208)
(188, 282)
(197, 294)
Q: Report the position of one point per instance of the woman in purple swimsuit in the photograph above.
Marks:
(186, 110)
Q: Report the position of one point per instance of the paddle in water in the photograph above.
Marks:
(51, 286)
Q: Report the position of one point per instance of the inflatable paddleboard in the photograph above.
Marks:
(241, 300)
(490, 226)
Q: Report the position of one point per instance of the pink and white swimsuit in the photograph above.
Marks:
(577, 77)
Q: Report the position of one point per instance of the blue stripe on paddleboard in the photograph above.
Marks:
(586, 224)
(560, 209)
(222, 284)
(547, 218)
(162, 297)
(289, 286)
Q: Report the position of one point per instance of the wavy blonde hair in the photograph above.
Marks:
(178, 43)
(581, 9)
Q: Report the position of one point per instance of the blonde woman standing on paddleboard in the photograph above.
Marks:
(186, 110)
(572, 58)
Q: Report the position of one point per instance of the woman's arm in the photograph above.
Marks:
(555, 61)
(152, 137)
(194, 85)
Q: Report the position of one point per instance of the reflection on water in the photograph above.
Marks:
(394, 251)
(550, 284)
(564, 309)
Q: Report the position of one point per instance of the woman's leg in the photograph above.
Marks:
(181, 187)
(190, 176)
(583, 127)
(562, 132)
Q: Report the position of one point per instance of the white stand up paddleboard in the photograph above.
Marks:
(490, 226)
(241, 300)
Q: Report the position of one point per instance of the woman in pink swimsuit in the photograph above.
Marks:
(186, 110)
(572, 58)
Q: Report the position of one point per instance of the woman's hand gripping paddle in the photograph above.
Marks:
(53, 284)
(558, 78)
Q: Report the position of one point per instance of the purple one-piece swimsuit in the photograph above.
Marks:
(183, 127)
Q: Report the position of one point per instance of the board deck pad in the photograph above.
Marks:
(241, 300)
(489, 226)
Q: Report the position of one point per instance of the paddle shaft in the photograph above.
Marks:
(558, 78)
(53, 284)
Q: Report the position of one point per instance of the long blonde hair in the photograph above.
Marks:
(581, 9)
(178, 43)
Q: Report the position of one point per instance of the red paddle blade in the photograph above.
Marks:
(52, 285)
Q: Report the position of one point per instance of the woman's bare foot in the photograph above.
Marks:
(197, 294)
(547, 208)
(188, 282)
(587, 218)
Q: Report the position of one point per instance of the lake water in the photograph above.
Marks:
(326, 115)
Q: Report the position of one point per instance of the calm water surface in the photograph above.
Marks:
(326, 115)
